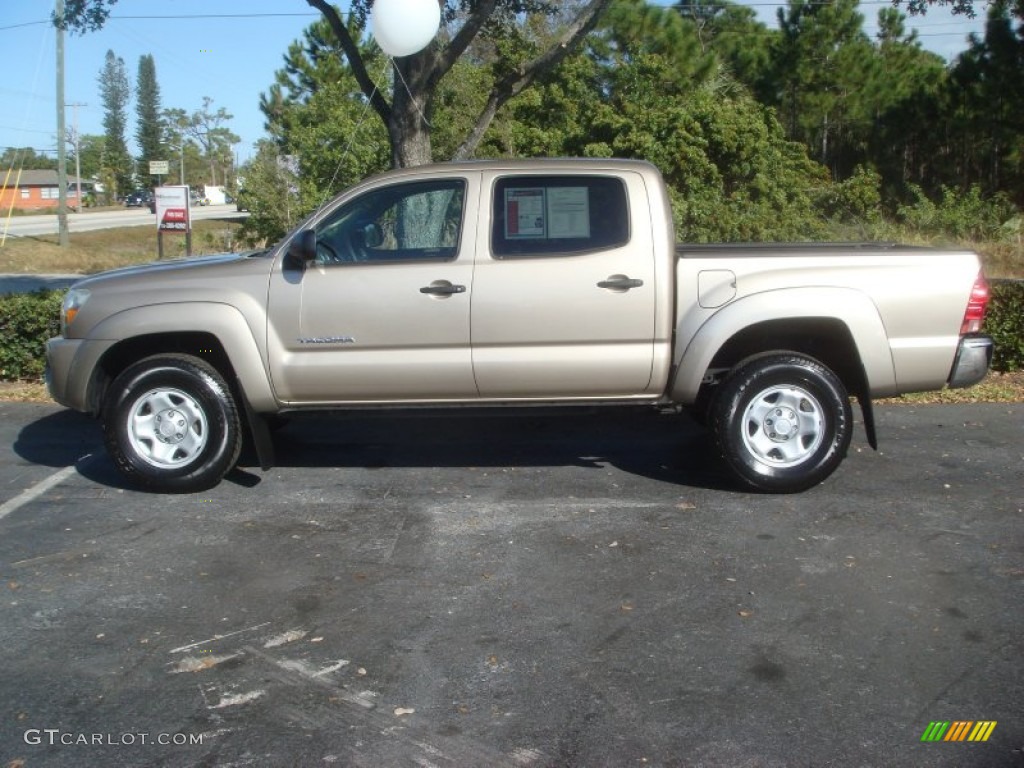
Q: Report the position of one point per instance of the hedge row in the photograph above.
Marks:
(28, 320)
(1005, 323)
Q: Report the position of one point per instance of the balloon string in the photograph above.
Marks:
(412, 98)
(328, 193)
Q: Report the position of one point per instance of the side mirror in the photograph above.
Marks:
(302, 249)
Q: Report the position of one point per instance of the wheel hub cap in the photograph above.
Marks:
(167, 428)
(783, 425)
(170, 426)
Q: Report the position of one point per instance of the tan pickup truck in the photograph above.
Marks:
(514, 282)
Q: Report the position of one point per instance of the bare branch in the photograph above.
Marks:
(516, 82)
(355, 60)
(458, 45)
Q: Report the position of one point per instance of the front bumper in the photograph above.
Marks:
(60, 354)
(70, 367)
(973, 357)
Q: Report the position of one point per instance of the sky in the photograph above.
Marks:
(225, 49)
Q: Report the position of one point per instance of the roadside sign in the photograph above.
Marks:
(173, 215)
(172, 211)
(158, 167)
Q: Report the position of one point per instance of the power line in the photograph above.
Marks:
(194, 16)
(166, 17)
(26, 24)
(230, 15)
(22, 130)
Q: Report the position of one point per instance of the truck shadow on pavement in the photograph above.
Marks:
(667, 447)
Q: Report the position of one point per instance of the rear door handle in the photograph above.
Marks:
(442, 288)
(620, 283)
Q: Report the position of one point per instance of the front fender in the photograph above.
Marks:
(223, 321)
(708, 334)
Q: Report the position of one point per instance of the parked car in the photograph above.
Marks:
(195, 198)
(138, 199)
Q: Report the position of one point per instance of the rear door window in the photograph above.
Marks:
(537, 216)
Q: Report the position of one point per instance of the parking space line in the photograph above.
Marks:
(37, 490)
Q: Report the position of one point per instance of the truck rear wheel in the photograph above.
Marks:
(782, 422)
(171, 424)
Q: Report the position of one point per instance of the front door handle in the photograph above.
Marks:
(620, 283)
(442, 288)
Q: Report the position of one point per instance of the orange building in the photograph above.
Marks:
(35, 190)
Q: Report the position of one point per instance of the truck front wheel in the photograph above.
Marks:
(782, 422)
(171, 424)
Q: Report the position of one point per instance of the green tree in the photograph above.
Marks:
(271, 192)
(822, 63)
(731, 171)
(149, 130)
(90, 155)
(988, 108)
(905, 96)
(406, 110)
(741, 43)
(115, 92)
(316, 112)
(25, 158)
(966, 7)
(206, 130)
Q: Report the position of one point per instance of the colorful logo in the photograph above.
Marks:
(958, 730)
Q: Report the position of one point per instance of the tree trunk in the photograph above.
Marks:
(407, 117)
(408, 126)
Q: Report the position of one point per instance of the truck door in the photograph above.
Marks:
(383, 312)
(564, 291)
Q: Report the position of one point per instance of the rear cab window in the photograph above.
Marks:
(543, 216)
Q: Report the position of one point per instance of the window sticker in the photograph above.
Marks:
(524, 213)
(568, 212)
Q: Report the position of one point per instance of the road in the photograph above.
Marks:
(26, 226)
(554, 589)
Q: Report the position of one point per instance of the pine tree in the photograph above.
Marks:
(115, 91)
(823, 61)
(149, 131)
(988, 108)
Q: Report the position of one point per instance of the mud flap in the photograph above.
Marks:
(867, 408)
(260, 432)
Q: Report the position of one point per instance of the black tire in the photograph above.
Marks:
(171, 424)
(782, 422)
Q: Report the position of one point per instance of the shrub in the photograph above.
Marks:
(27, 320)
(857, 200)
(958, 214)
(1005, 323)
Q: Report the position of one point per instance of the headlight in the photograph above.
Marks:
(74, 300)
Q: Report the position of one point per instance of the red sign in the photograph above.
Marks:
(174, 220)
(172, 211)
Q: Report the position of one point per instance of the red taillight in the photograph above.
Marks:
(975, 314)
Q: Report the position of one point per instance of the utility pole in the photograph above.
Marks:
(62, 157)
(78, 164)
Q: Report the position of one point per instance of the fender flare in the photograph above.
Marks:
(223, 321)
(849, 306)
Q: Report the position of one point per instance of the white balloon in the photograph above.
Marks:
(404, 27)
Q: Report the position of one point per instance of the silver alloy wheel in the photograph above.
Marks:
(167, 427)
(783, 425)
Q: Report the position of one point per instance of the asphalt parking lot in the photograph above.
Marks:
(549, 589)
